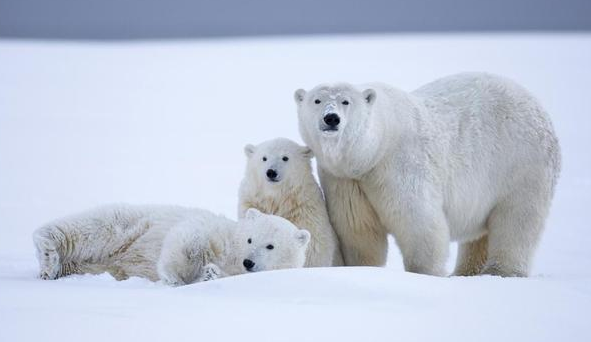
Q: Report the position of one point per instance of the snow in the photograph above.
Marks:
(84, 124)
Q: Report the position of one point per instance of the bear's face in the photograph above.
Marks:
(335, 121)
(272, 242)
(277, 163)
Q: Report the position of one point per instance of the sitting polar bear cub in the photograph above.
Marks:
(174, 244)
(279, 181)
(470, 158)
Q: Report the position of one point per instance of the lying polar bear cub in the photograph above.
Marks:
(174, 244)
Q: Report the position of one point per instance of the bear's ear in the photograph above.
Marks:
(249, 150)
(299, 95)
(369, 95)
(252, 213)
(307, 152)
(302, 237)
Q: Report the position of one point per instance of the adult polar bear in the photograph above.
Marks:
(470, 157)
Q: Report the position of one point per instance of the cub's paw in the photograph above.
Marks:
(49, 263)
(210, 272)
(171, 279)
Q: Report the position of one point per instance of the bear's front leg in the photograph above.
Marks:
(423, 238)
(183, 255)
(211, 272)
(363, 239)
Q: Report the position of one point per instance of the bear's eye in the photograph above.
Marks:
(264, 158)
(285, 159)
(270, 246)
(346, 103)
(249, 240)
(317, 101)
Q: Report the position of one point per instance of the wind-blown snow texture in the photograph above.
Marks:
(83, 124)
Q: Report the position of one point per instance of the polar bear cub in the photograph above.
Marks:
(279, 181)
(174, 244)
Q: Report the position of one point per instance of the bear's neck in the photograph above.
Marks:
(287, 201)
(392, 122)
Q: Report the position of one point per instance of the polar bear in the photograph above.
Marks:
(174, 244)
(471, 158)
(279, 181)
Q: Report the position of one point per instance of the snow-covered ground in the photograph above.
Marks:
(83, 124)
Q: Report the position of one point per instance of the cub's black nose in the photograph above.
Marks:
(272, 174)
(332, 120)
(249, 264)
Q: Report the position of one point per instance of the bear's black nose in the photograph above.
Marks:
(272, 174)
(332, 120)
(249, 264)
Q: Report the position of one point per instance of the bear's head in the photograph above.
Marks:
(272, 242)
(335, 120)
(277, 164)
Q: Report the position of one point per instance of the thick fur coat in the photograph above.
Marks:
(174, 244)
(279, 181)
(471, 157)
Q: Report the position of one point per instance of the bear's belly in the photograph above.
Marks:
(466, 202)
(466, 222)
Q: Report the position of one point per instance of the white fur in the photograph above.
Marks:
(174, 244)
(471, 158)
(289, 242)
(294, 195)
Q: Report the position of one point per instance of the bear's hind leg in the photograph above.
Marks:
(471, 257)
(49, 243)
(515, 226)
(49, 259)
(78, 244)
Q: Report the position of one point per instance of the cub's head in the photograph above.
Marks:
(335, 121)
(272, 242)
(277, 163)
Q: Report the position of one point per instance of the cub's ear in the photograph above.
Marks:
(252, 213)
(249, 150)
(299, 95)
(307, 152)
(302, 237)
(369, 95)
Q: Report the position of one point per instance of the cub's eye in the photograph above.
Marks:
(270, 246)
(316, 101)
(285, 159)
(346, 103)
(249, 240)
(264, 158)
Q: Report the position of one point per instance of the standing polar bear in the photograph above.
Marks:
(471, 158)
(279, 181)
(174, 244)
